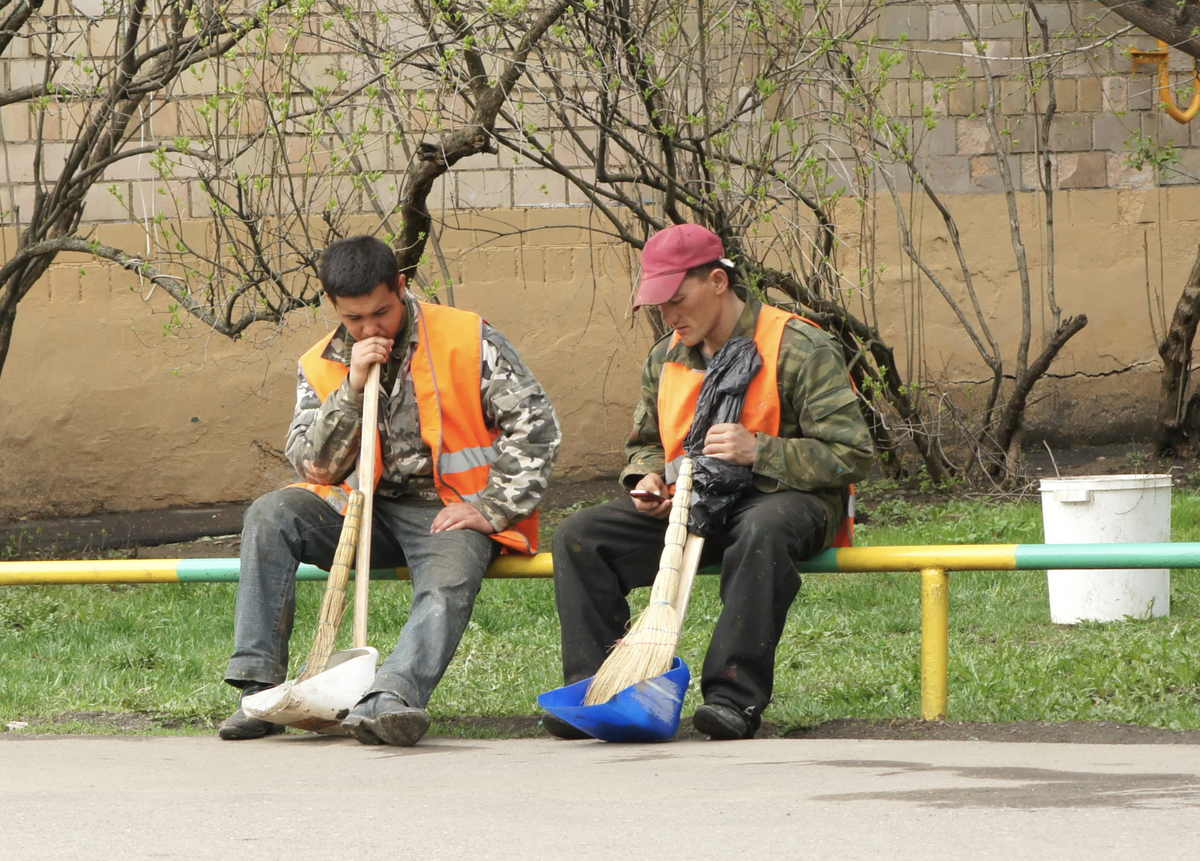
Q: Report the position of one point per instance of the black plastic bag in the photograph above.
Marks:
(717, 484)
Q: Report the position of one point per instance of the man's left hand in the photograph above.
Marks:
(461, 515)
(731, 442)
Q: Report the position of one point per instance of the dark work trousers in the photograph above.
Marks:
(601, 554)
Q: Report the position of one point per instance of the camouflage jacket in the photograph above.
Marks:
(323, 441)
(823, 444)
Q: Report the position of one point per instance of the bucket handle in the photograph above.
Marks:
(1074, 494)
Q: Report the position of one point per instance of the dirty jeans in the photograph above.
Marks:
(601, 554)
(290, 526)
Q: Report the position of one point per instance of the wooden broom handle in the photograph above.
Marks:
(692, 549)
(671, 559)
(366, 481)
(693, 545)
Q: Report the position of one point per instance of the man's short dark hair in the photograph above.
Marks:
(703, 269)
(356, 265)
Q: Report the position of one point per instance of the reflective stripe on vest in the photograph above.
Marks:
(468, 458)
(445, 368)
(679, 388)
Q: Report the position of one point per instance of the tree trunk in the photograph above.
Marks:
(1008, 428)
(12, 291)
(1173, 433)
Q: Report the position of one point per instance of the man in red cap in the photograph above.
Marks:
(802, 435)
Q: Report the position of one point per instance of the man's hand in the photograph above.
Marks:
(367, 352)
(461, 515)
(731, 442)
(655, 484)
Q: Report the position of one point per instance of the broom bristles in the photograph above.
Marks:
(333, 604)
(649, 648)
(645, 652)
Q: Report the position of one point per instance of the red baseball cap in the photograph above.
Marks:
(668, 256)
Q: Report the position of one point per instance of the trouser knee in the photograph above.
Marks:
(279, 509)
(571, 535)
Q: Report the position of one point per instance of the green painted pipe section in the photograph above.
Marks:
(210, 570)
(1074, 556)
(825, 562)
(229, 571)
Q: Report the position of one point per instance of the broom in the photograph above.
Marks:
(649, 648)
(333, 604)
(316, 710)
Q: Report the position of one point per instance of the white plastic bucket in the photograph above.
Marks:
(1107, 509)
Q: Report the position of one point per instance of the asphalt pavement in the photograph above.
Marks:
(300, 797)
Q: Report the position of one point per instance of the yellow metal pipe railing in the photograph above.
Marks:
(934, 562)
(935, 643)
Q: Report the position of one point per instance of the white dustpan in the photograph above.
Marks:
(319, 700)
(321, 703)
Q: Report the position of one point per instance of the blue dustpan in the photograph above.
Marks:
(647, 711)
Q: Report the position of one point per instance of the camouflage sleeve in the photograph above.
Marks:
(323, 440)
(516, 403)
(644, 448)
(834, 446)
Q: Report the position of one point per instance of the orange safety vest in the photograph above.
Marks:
(679, 388)
(446, 375)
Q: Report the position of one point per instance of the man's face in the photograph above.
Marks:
(379, 314)
(695, 309)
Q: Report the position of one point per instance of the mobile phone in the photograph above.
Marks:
(647, 496)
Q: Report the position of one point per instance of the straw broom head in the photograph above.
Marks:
(333, 605)
(649, 648)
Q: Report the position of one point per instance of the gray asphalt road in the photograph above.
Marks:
(304, 797)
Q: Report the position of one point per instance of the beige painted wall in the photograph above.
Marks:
(1122, 257)
(100, 411)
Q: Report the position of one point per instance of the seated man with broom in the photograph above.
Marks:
(467, 442)
(800, 442)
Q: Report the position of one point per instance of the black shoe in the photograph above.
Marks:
(559, 728)
(239, 726)
(721, 723)
(383, 717)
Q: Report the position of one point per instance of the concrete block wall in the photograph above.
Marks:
(1101, 103)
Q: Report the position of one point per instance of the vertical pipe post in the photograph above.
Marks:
(935, 643)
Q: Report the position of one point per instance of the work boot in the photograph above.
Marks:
(239, 726)
(383, 717)
(559, 728)
(722, 723)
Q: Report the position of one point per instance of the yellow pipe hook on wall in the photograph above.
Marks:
(1162, 59)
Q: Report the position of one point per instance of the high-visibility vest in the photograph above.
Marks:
(679, 388)
(445, 369)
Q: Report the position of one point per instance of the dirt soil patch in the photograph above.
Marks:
(527, 726)
(903, 729)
